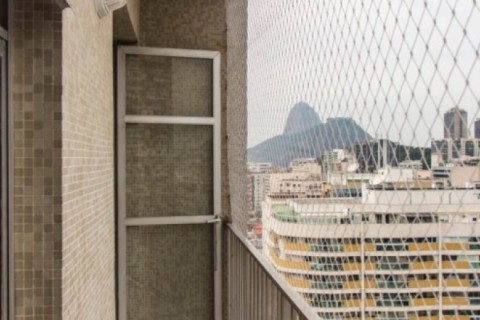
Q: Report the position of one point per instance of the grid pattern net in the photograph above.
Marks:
(363, 154)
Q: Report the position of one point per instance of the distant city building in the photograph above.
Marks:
(258, 186)
(411, 164)
(303, 161)
(477, 129)
(455, 124)
(258, 166)
(335, 161)
(447, 151)
(296, 185)
(376, 154)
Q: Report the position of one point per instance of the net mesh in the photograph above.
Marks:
(364, 150)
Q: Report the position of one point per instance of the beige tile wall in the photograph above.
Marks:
(88, 272)
(36, 73)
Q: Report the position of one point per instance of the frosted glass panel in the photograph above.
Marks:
(169, 170)
(169, 86)
(170, 272)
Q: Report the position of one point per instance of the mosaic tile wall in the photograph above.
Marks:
(88, 273)
(36, 74)
(189, 24)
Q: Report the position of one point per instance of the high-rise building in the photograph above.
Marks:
(455, 124)
(477, 128)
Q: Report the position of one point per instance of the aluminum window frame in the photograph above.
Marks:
(123, 222)
(6, 225)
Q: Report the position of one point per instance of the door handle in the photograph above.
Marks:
(215, 219)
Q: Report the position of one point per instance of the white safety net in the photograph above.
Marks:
(364, 152)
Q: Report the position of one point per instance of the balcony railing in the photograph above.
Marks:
(256, 290)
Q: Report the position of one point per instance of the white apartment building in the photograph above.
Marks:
(392, 254)
(304, 180)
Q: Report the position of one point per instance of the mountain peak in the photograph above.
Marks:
(301, 117)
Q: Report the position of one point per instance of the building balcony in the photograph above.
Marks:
(424, 265)
(423, 247)
(293, 246)
(351, 248)
(357, 303)
(456, 265)
(298, 283)
(455, 301)
(290, 264)
(456, 283)
(417, 284)
(423, 302)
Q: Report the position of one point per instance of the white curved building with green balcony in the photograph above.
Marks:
(392, 254)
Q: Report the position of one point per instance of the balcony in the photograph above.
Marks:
(290, 264)
(417, 284)
(455, 301)
(456, 283)
(423, 302)
(351, 248)
(460, 246)
(392, 303)
(456, 265)
(393, 266)
(298, 283)
(256, 289)
(292, 246)
(391, 284)
(423, 247)
(352, 266)
(424, 265)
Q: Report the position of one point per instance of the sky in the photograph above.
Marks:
(394, 66)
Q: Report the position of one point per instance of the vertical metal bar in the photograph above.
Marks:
(273, 299)
(243, 271)
(263, 314)
(11, 278)
(278, 298)
(230, 279)
(286, 309)
(440, 271)
(4, 181)
(253, 289)
(362, 268)
(295, 314)
(269, 304)
(257, 291)
(217, 184)
(121, 183)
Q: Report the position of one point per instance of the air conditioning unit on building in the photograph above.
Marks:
(104, 7)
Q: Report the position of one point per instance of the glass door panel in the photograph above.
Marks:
(168, 184)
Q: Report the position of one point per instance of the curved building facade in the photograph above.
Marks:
(393, 254)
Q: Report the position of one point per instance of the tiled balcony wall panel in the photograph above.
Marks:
(88, 272)
(36, 41)
(190, 24)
